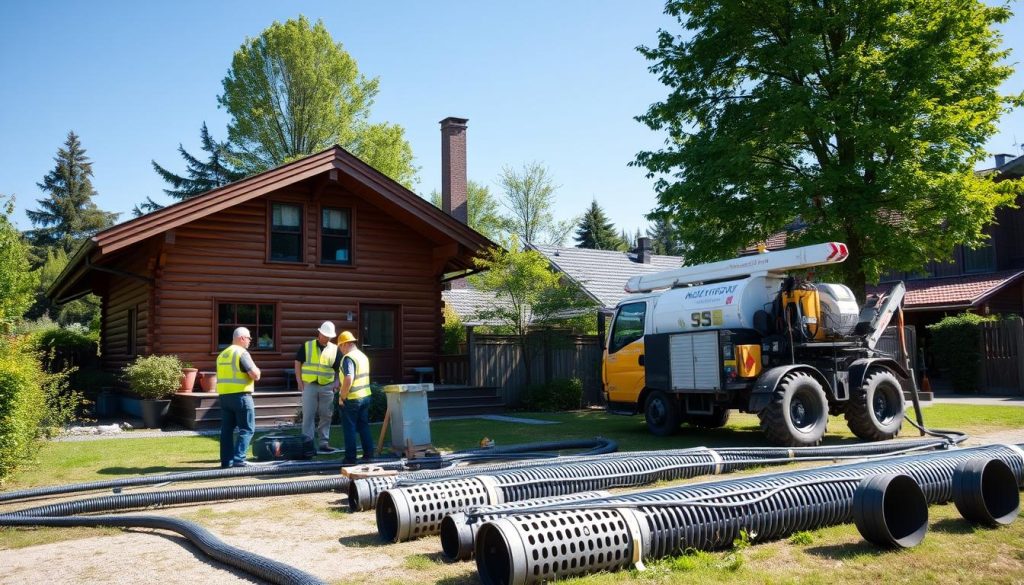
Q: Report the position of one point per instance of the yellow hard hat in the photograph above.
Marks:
(346, 337)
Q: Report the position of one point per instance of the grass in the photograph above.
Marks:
(830, 555)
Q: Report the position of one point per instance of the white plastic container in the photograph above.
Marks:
(410, 419)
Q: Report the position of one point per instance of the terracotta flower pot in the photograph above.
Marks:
(208, 381)
(188, 379)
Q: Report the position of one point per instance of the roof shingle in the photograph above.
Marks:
(959, 291)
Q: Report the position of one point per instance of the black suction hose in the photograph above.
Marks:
(253, 564)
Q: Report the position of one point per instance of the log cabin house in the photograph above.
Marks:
(326, 237)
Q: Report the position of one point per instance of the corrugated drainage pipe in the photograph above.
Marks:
(890, 511)
(985, 492)
(543, 543)
(415, 510)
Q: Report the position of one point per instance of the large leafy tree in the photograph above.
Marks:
(293, 91)
(16, 283)
(528, 295)
(68, 215)
(664, 237)
(596, 232)
(482, 210)
(529, 199)
(863, 119)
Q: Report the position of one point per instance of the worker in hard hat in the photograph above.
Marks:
(354, 398)
(317, 363)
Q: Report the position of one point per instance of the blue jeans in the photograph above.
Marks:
(236, 410)
(355, 416)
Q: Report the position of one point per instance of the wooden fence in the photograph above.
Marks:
(1002, 362)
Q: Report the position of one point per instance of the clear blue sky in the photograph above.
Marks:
(555, 82)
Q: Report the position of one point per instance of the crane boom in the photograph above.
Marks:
(768, 262)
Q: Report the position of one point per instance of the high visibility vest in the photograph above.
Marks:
(230, 377)
(319, 365)
(361, 383)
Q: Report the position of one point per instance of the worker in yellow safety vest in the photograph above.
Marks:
(355, 398)
(316, 374)
(236, 378)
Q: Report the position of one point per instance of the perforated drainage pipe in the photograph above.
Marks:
(458, 532)
(550, 542)
(413, 511)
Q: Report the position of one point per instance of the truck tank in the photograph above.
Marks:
(723, 305)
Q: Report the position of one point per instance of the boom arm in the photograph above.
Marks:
(885, 313)
(779, 261)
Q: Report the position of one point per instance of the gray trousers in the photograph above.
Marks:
(317, 409)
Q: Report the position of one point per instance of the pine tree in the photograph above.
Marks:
(68, 215)
(200, 176)
(595, 231)
(664, 238)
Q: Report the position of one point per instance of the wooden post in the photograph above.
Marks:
(470, 360)
(1018, 352)
(384, 428)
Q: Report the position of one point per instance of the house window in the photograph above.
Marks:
(981, 259)
(286, 232)
(335, 236)
(628, 326)
(257, 317)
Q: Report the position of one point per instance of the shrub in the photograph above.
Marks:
(378, 403)
(23, 409)
(154, 376)
(453, 333)
(954, 345)
(557, 395)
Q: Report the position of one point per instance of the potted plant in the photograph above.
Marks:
(154, 379)
(188, 377)
(208, 381)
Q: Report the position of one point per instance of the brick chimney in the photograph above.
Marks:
(453, 168)
(643, 250)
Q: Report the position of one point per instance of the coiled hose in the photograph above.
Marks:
(609, 534)
(251, 563)
(417, 509)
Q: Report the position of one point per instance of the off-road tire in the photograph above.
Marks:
(662, 414)
(797, 414)
(875, 410)
(715, 420)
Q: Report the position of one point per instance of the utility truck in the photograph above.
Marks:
(752, 334)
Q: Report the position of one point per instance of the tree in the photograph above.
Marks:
(293, 91)
(863, 119)
(201, 176)
(68, 215)
(664, 238)
(83, 310)
(16, 283)
(481, 208)
(628, 243)
(528, 295)
(595, 231)
(529, 197)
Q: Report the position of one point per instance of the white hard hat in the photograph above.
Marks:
(327, 330)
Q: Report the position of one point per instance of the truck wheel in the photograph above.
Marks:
(715, 420)
(662, 414)
(875, 411)
(797, 414)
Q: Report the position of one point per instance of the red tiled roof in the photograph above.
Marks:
(960, 291)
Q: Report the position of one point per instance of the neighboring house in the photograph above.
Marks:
(326, 237)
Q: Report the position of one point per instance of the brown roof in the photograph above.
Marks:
(954, 292)
(335, 163)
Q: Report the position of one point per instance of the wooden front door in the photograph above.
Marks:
(380, 340)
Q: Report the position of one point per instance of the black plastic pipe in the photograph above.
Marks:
(414, 508)
(542, 542)
(253, 564)
(890, 511)
(985, 492)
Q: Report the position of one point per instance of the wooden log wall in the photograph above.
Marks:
(223, 258)
(120, 294)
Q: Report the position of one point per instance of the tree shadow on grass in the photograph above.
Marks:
(362, 540)
(466, 579)
(840, 552)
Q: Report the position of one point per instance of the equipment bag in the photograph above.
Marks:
(281, 447)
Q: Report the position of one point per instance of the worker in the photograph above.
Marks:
(237, 375)
(316, 374)
(354, 398)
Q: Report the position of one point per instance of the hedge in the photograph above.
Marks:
(954, 345)
(556, 395)
(23, 402)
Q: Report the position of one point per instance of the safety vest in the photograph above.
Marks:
(230, 377)
(361, 383)
(319, 366)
